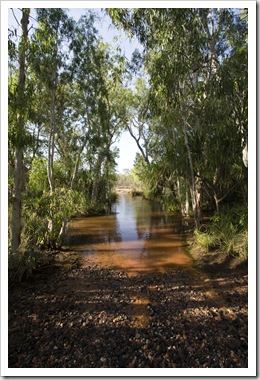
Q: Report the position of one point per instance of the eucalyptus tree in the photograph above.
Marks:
(138, 118)
(18, 108)
(77, 81)
(188, 55)
(66, 65)
(223, 104)
(98, 83)
(170, 75)
(49, 60)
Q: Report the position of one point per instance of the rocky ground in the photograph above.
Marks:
(81, 316)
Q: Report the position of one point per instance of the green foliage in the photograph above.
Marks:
(28, 260)
(127, 180)
(40, 204)
(204, 240)
(227, 232)
(230, 229)
(73, 111)
(170, 200)
(141, 176)
(57, 207)
(38, 182)
(196, 63)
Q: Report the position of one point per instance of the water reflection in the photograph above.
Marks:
(85, 232)
(140, 236)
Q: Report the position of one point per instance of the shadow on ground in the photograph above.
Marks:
(99, 317)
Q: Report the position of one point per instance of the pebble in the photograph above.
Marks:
(87, 328)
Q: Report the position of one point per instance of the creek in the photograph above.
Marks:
(138, 236)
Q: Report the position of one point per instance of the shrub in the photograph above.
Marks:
(27, 263)
(230, 230)
(204, 240)
(241, 244)
(227, 232)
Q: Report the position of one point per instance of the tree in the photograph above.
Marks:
(196, 98)
(138, 118)
(74, 116)
(49, 62)
(98, 75)
(21, 115)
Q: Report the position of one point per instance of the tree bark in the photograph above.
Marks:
(187, 204)
(193, 183)
(137, 140)
(51, 139)
(50, 163)
(19, 173)
(245, 156)
(94, 195)
(180, 197)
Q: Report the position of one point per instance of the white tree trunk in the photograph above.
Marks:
(94, 195)
(187, 204)
(19, 173)
(193, 184)
(245, 156)
(179, 195)
(51, 142)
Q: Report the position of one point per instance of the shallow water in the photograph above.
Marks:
(140, 236)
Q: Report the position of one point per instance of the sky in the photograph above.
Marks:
(127, 146)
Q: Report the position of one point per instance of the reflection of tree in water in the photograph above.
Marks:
(147, 218)
(143, 211)
(92, 230)
(157, 233)
(151, 220)
(113, 233)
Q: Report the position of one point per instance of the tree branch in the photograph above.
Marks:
(15, 17)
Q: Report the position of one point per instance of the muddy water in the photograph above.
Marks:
(138, 237)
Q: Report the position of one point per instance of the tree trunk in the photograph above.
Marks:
(19, 174)
(187, 204)
(216, 202)
(183, 206)
(179, 195)
(94, 195)
(51, 141)
(75, 171)
(51, 147)
(245, 156)
(198, 185)
(193, 184)
(137, 140)
(62, 230)
(17, 202)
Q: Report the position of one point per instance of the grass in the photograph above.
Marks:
(204, 240)
(227, 233)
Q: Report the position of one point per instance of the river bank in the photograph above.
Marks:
(77, 314)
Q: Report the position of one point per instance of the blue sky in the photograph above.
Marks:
(126, 144)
